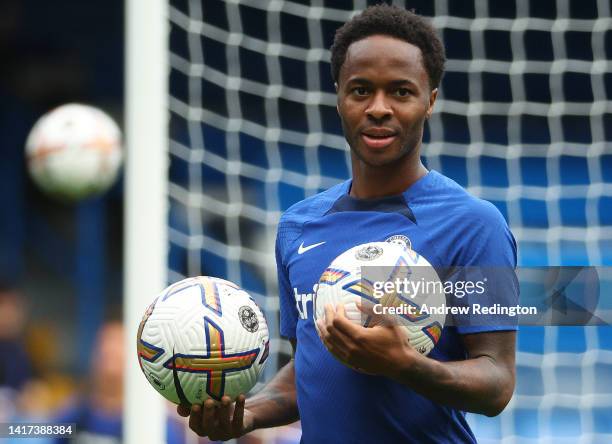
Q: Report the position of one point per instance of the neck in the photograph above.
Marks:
(370, 182)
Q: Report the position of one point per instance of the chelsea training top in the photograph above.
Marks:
(441, 222)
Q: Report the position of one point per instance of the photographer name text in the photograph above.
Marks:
(474, 309)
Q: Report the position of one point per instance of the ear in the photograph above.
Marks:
(336, 88)
(432, 99)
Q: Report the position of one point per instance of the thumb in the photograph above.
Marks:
(183, 410)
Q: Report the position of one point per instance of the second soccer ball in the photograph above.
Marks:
(378, 275)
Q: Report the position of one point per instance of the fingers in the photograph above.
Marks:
(216, 420)
(341, 311)
(223, 416)
(238, 419)
(374, 318)
(366, 307)
(336, 341)
(201, 419)
(340, 345)
(195, 419)
(209, 420)
(329, 314)
(367, 310)
(322, 323)
(342, 324)
(341, 336)
(334, 324)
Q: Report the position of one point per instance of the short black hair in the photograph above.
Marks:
(393, 21)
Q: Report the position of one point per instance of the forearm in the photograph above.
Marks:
(276, 404)
(483, 383)
(475, 385)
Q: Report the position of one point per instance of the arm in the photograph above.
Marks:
(275, 405)
(483, 383)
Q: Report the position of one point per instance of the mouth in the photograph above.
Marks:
(378, 138)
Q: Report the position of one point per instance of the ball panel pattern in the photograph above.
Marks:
(210, 340)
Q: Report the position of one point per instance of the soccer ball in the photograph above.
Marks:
(74, 151)
(358, 276)
(202, 338)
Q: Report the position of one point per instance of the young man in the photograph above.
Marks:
(387, 64)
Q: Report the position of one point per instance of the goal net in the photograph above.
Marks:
(523, 119)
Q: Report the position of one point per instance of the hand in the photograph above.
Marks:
(377, 350)
(219, 422)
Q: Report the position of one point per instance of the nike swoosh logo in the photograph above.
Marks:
(302, 249)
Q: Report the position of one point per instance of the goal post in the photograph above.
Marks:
(146, 231)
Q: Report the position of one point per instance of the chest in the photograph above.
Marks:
(321, 241)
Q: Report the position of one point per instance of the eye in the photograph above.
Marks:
(402, 92)
(360, 91)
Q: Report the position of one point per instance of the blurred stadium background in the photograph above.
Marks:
(524, 119)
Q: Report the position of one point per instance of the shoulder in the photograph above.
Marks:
(475, 231)
(464, 208)
(293, 219)
(311, 207)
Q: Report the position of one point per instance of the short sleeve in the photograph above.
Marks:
(288, 309)
(492, 258)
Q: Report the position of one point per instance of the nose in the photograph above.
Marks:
(378, 109)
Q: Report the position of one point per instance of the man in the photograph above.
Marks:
(387, 64)
(97, 413)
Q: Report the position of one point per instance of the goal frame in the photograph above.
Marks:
(145, 215)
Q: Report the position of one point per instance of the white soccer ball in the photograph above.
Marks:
(74, 151)
(202, 338)
(358, 275)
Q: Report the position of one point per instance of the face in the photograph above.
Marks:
(384, 99)
(107, 364)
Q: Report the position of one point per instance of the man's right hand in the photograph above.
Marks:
(219, 422)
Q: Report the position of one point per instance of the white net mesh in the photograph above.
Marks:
(523, 119)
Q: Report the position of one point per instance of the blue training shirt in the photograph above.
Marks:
(444, 224)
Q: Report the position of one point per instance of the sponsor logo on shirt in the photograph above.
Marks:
(302, 300)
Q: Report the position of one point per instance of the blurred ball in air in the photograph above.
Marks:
(74, 152)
